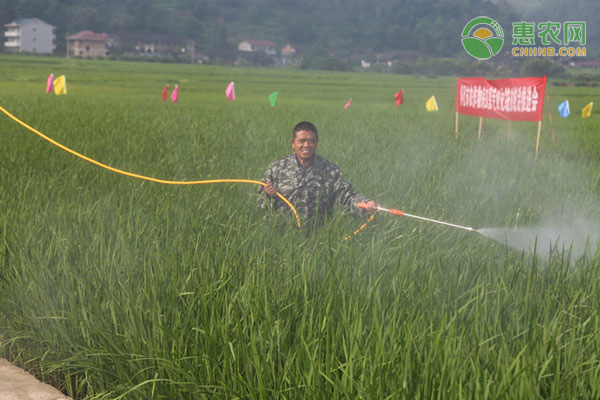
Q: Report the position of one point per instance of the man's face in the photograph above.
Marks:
(305, 146)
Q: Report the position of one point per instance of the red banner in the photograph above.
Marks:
(515, 99)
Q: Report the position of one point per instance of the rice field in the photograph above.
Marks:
(117, 288)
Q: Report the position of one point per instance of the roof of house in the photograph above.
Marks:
(89, 35)
(593, 64)
(149, 37)
(261, 43)
(24, 21)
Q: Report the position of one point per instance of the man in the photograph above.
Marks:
(311, 183)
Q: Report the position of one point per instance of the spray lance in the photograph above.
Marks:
(402, 213)
(521, 239)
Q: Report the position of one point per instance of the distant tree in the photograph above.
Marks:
(344, 28)
(220, 46)
(543, 66)
(29, 8)
(572, 10)
(81, 17)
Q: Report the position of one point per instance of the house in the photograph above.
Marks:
(287, 51)
(29, 35)
(258, 45)
(87, 44)
(585, 64)
(154, 45)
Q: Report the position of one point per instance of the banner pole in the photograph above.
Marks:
(508, 138)
(537, 143)
(457, 106)
(449, 111)
(456, 127)
(480, 123)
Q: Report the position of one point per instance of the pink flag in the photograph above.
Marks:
(230, 92)
(175, 94)
(164, 93)
(50, 84)
(347, 104)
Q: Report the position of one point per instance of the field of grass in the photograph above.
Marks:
(116, 288)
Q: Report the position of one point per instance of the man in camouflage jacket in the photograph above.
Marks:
(311, 183)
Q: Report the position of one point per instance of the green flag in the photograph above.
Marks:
(273, 98)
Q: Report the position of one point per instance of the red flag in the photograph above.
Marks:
(164, 93)
(399, 97)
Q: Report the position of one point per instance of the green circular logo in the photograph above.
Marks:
(482, 38)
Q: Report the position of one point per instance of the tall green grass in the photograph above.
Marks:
(117, 288)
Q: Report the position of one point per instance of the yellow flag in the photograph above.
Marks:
(431, 104)
(60, 85)
(587, 110)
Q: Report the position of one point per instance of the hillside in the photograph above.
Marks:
(343, 29)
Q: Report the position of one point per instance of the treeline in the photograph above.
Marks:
(332, 31)
(341, 27)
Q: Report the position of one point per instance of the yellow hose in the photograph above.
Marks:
(363, 226)
(146, 178)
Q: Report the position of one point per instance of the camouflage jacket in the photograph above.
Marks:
(312, 190)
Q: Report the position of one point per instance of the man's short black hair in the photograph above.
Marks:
(305, 126)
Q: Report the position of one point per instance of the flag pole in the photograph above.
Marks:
(480, 123)
(537, 143)
(552, 126)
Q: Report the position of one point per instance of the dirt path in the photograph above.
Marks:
(16, 384)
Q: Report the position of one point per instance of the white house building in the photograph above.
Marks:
(258, 45)
(29, 35)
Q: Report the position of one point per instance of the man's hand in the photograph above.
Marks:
(270, 189)
(370, 206)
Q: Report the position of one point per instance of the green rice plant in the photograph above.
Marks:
(118, 288)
